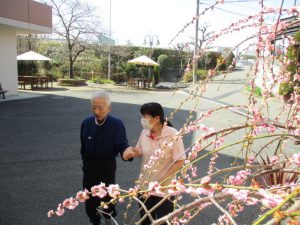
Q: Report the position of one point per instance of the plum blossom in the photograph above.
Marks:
(271, 128)
(297, 132)
(113, 190)
(50, 213)
(270, 200)
(60, 210)
(274, 159)
(205, 180)
(155, 189)
(251, 160)
(82, 196)
(70, 203)
(296, 159)
(239, 178)
(178, 188)
(204, 191)
(99, 190)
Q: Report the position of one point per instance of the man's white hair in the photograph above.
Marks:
(101, 95)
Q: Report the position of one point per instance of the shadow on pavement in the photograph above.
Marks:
(40, 163)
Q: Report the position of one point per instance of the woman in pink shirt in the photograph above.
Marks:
(162, 155)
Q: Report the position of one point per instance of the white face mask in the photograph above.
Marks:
(145, 124)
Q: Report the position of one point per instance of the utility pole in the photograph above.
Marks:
(149, 39)
(109, 43)
(195, 61)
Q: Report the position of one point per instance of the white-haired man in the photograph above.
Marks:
(103, 137)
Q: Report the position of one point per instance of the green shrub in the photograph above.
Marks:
(285, 88)
(71, 82)
(201, 75)
(99, 80)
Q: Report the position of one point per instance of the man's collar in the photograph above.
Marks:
(97, 123)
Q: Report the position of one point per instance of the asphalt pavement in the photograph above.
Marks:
(40, 164)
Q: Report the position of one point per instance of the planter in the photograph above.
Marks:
(71, 82)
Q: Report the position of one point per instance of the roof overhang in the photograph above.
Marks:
(23, 27)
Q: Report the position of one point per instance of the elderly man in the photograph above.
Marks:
(103, 137)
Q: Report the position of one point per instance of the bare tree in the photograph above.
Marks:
(183, 49)
(76, 23)
(203, 35)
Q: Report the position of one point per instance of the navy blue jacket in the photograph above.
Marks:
(102, 142)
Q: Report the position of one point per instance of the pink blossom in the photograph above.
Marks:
(270, 10)
(178, 188)
(205, 180)
(271, 36)
(60, 210)
(99, 190)
(203, 127)
(274, 159)
(293, 10)
(70, 203)
(211, 130)
(113, 190)
(239, 178)
(278, 51)
(50, 213)
(296, 159)
(297, 132)
(241, 195)
(251, 201)
(220, 1)
(271, 128)
(270, 200)
(235, 180)
(204, 191)
(155, 188)
(82, 196)
(250, 160)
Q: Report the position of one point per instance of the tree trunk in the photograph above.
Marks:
(71, 70)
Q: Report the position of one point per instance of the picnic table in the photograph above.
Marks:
(34, 81)
(139, 83)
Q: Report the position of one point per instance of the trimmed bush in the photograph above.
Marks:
(71, 82)
(201, 75)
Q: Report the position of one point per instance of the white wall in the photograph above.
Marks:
(8, 60)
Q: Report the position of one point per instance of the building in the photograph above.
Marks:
(19, 17)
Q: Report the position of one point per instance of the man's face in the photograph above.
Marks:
(100, 108)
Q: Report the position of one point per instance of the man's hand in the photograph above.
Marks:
(128, 153)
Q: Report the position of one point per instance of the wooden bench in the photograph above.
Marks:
(2, 92)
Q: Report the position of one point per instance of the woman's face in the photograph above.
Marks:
(152, 121)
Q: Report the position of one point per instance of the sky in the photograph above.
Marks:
(133, 20)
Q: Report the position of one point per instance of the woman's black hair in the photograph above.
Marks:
(154, 109)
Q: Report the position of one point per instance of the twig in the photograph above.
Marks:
(222, 210)
(147, 213)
